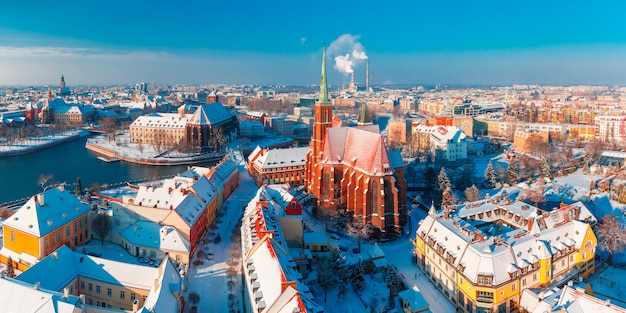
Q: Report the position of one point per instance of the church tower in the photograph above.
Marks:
(323, 120)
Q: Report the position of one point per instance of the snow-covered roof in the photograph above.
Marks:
(150, 234)
(17, 296)
(413, 297)
(47, 212)
(276, 158)
(210, 114)
(161, 120)
(531, 239)
(58, 269)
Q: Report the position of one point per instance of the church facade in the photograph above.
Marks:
(350, 168)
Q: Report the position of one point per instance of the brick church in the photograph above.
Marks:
(350, 168)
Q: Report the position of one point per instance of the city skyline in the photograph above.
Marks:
(274, 43)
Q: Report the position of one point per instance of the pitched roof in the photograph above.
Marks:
(360, 148)
(46, 212)
(210, 114)
(17, 296)
(276, 158)
(150, 234)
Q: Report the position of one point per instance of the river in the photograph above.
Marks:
(66, 162)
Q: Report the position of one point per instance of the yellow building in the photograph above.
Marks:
(44, 223)
(483, 254)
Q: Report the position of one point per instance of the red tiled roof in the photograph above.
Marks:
(360, 148)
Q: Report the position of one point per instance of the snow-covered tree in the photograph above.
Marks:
(443, 180)
(490, 176)
(79, 187)
(512, 172)
(545, 168)
(611, 236)
(471, 193)
(10, 271)
(430, 177)
(446, 198)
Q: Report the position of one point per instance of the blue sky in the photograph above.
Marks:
(280, 42)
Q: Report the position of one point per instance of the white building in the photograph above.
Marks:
(611, 128)
(447, 143)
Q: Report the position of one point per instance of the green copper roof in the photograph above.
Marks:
(323, 87)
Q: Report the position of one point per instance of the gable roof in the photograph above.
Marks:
(210, 114)
(360, 148)
(47, 212)
(17, 296)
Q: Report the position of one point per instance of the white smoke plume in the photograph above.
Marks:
(348, 52)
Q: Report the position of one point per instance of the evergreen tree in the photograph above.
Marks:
(358, 277)
(446, 197)
(430, 177)
(79, 187)
(10, 272)
(472, 194)
(512, 172)
(545, 168)
(490, 176)
(443, 180)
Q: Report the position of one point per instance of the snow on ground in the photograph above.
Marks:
(208, 278)
(109, 251)
(609, 282)
(37, 142)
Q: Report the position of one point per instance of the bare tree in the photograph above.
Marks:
(471, 194)
(611, 235)
(45, 181)
(101, 225)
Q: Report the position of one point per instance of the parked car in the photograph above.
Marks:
(209, 255)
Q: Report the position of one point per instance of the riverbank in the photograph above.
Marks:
(122, 149)
(36, 144)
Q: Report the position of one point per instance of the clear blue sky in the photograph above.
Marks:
(280, 42)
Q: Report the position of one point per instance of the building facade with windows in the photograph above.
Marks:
(117, 286)
(44, 223)
(277, 166)
(483, 254)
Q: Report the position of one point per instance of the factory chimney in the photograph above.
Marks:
(367, 75)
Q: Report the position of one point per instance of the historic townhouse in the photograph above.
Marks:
(482, 255)
(277, 166)
(175, 215)
(271, 241)
(44, 223)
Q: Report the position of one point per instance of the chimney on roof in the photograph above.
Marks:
(39, 199)
(135, 306)
(81, 298)
(529, 224)
(36, 285)
(66, 293)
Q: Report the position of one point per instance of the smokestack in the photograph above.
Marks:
(367, 75)
(352, 88)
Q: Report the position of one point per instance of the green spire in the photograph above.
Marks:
(323, 87)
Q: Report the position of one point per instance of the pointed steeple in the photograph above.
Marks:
(432, 211)
(323, 86)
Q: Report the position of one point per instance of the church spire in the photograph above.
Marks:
(323, 86)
